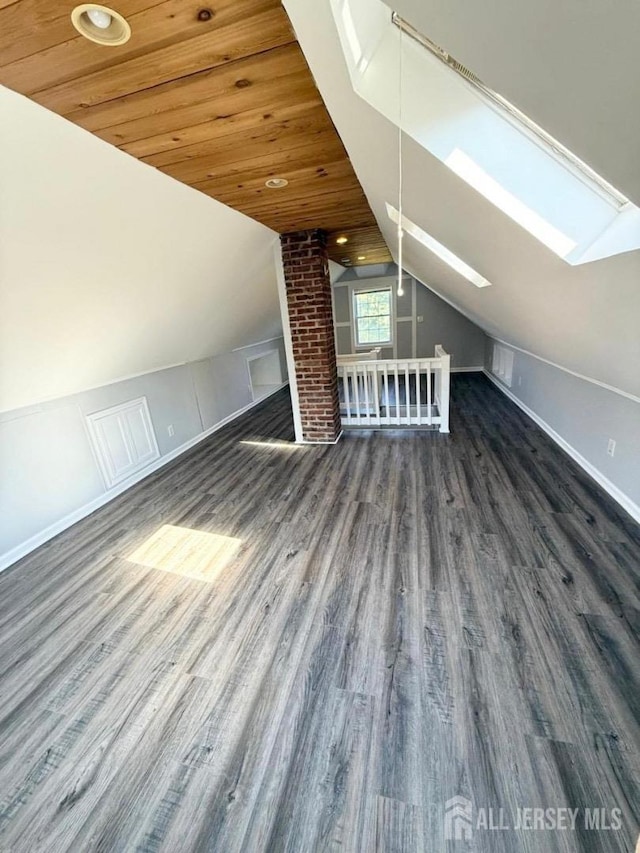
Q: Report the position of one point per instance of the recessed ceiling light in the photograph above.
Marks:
(100, 24)
(345, 260)
(276, 183)
(362, 257)
(342, 240)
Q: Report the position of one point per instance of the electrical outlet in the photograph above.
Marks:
(611, 447)
(171, 430)
(420, 318)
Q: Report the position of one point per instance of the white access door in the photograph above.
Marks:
(265, 373)
(123, 440)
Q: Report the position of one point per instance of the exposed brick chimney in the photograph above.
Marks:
(308, 288)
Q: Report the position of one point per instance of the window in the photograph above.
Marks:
(372, 312)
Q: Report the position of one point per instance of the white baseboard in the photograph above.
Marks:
(477, 369)
(311, 443)
(19, 551)
(619, 496)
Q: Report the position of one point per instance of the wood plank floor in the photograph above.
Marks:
(316, 647)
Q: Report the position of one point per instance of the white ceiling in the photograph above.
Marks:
(109, 268)
(572, 66)
(585, 318)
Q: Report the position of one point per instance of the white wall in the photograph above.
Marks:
(109, 268)
(116, 282)
(585, 415)
(49, 474)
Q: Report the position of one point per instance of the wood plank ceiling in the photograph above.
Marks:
(216, 94)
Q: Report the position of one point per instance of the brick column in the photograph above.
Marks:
(308, 290)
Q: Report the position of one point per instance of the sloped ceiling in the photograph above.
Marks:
(218, 96)
(584, 318)
(571, 66)
(109, 268)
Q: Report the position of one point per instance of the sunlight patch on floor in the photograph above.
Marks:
(186, 552)
(278, 445)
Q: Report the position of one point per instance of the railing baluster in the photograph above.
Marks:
(429, 412)
(356, 392)
(376, 396)
(395, 373)
(418, 413)
(347, 396)
(365, 371)
(407, 395)
(387, 409)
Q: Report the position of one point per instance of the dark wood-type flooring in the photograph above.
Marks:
(388, 623)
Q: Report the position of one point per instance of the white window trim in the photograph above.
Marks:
(392, 318)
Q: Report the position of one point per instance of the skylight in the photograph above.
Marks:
(470, 172)
(486, 141)
(437, 248)
(552, 145)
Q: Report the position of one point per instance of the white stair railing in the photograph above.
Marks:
(395, 392)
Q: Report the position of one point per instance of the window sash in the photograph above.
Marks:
(373, 323)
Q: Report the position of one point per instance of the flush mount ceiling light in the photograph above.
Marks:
(276, 183)
(100, 24)
(362, 257)
(342, 240)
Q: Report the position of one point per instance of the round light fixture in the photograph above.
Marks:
(362, 257)
(342, 240)
(276, 183)
(100, 24)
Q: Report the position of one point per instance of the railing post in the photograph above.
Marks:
(445, 380)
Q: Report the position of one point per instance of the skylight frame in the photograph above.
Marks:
(562, 155)
(439, 250)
